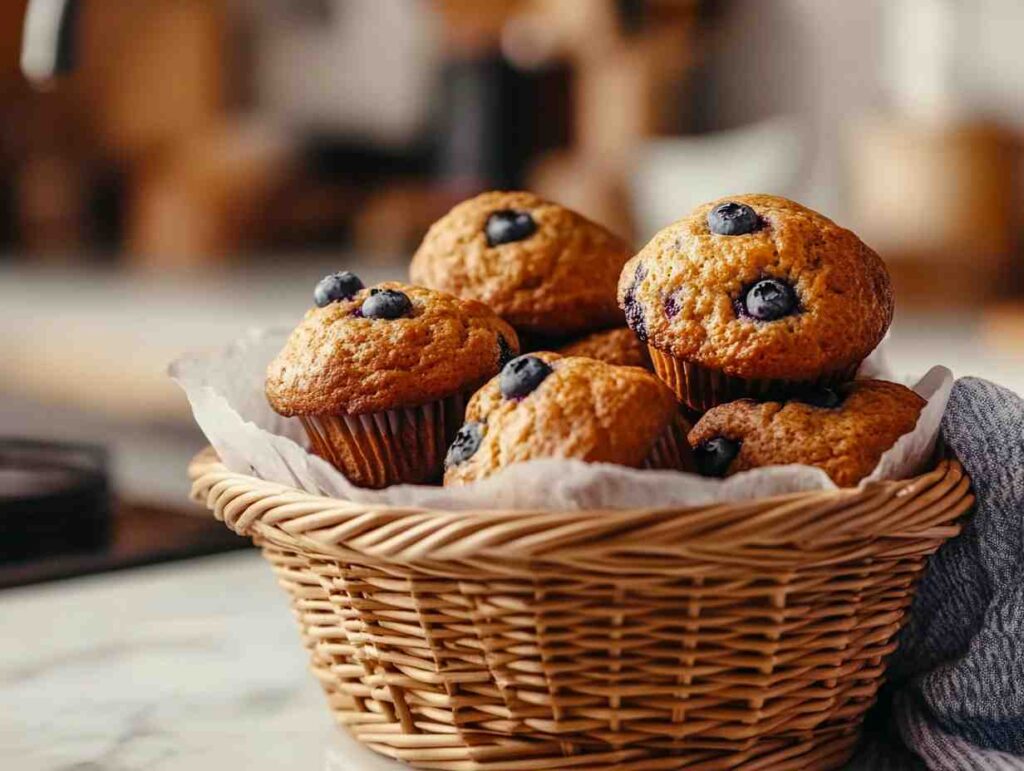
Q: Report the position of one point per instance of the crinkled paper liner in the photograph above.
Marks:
(701, 388)
(386, 448)
(225, 389)
(671, 450)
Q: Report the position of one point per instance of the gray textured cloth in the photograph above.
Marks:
(955, 693)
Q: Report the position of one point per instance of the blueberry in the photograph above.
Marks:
(634, 310)
(507, 225)
(672, 306)
(819, 396)
(713, 457)
(466, 443)
(386, 304)
(635, 317)
(733, 219)
(769, 299)
(522, 375)
(335, 287)
(505, 352)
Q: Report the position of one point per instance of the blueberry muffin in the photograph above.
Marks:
(545, 269)
(546, 406)
(843, 431)
(752, 296)
(379, 376)
(613, 346)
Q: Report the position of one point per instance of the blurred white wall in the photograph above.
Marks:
(831, 63)
(816, 61)
(989, 57)
(363, 68)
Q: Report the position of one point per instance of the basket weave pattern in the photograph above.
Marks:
(749, 635)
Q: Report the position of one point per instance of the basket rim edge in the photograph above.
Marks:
(207, 461)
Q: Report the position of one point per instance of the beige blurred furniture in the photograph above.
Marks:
(154, 78)
(671, 175)
(940, 203)
(149, 74)
(205, 197)
(470, 26)
(1003, 329)
(150, 96)
(627, 89)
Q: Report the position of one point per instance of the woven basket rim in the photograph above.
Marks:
(823, 526)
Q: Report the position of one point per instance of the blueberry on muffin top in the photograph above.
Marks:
(335, 287)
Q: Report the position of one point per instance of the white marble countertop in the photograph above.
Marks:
(183, 667)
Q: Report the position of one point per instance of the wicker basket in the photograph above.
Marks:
(751, 635)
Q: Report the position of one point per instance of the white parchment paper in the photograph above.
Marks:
(225, 389)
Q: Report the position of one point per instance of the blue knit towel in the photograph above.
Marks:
(955, 694)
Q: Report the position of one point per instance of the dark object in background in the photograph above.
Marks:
(142, 535)
(54, 499)
(58, 518)
(632, 15)
(495, 119)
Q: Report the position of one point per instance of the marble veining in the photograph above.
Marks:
(192, 665)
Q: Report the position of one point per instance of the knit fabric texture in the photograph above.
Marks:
(954, 700)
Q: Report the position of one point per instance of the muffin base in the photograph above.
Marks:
(386, 448)
(671, 450)
(701, 388)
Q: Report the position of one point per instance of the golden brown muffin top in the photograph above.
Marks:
(614, 346)
(555, 272)
(688, 292)
(583, 409)
(337, 361)
(846, 441)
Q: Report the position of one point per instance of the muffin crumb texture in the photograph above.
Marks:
(614, 346)
(582, 408)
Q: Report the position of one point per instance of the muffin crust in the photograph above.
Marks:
(585, 409)
(682, 293)
(614, 346)
(338, 362)
(844, 441)
(559, 280)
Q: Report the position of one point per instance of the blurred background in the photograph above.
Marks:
(176, 171)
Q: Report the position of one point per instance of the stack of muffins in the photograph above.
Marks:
(730, 341)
